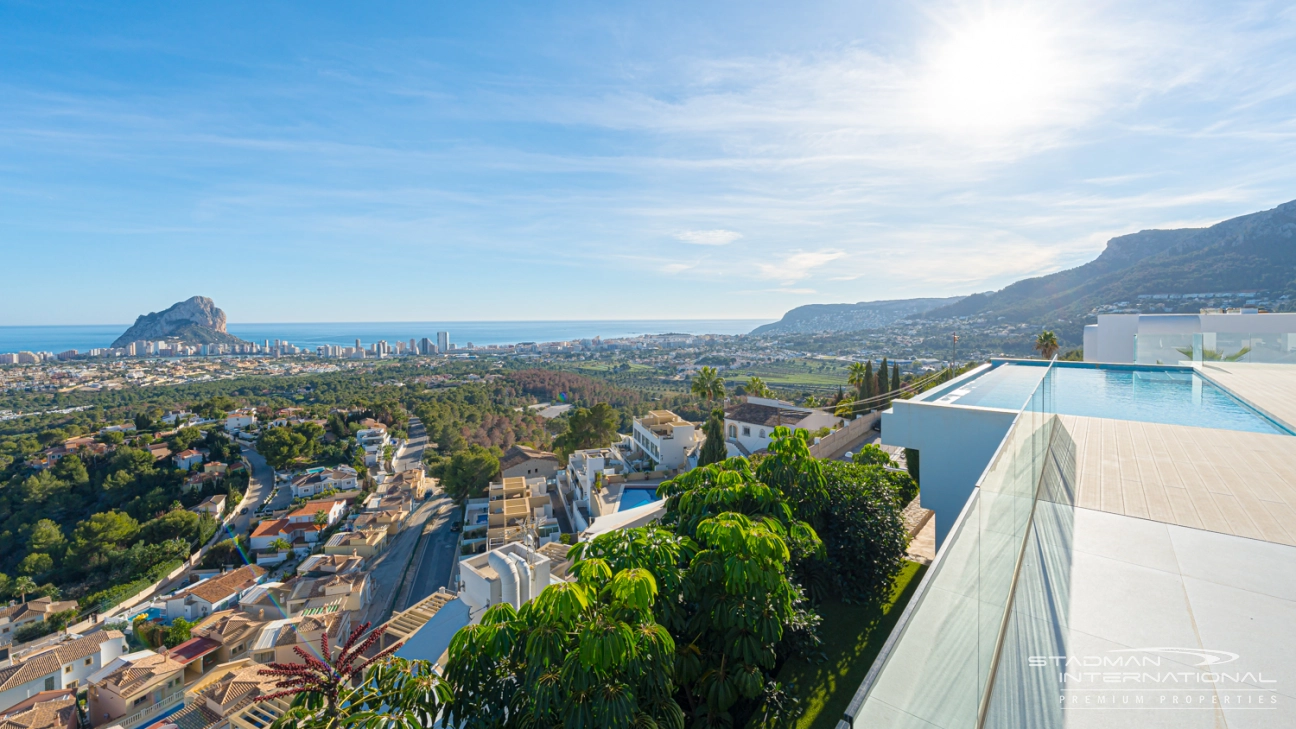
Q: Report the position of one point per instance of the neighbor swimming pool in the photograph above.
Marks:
(632, 497)
(1145, 394)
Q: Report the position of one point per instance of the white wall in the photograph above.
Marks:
(955, 444)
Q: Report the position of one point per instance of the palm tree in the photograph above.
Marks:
(321, 518)
(857, 378)
(1046, 344)
(845, 408)
(756, 387)
(280, 545)
(24, 585)
(708, 384)
(811, 401)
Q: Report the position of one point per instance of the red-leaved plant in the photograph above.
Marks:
(328, 678)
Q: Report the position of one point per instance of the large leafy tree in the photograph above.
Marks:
(583, 654)
(588, 428)
(865, 539)
(466, 474)
(708, 384)
(714, 449)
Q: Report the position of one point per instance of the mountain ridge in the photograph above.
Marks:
(849, 317)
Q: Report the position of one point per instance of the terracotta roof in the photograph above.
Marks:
(45, 710)
(306, 588)
(215, 589)
(34, 667)
(38, 606)
(193, 716)
(227, 626)
(193, 649)
(188, 454)
(74, 650)
(520, 454)
(140, 674)
(314, 507)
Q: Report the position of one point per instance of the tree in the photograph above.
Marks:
(280, 545)
(97, 538)
(1046, 344)
(322, 687)
(714, 449)
(583, 654)
(47, 537)
(466, 474)
(588, 428)
(811, 401)
(321, 519)
(280, 446)
(143, 422)
(178, 633)
(857, 377)
(883, 383)
(872, 455)
(845, 408)
(22, 586)
(36, 564)
(865, 540)
(185, 438)
(895, 377)
(112, 437)
(179, 524)
(911, 464)
(708, 384)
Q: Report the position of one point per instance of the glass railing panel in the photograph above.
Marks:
(939, 667)
(1168, 349)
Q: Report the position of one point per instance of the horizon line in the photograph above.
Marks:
(420, 321)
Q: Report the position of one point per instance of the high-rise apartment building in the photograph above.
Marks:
(443, 341)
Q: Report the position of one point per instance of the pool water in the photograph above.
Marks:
(1173, 397)
(632, 497)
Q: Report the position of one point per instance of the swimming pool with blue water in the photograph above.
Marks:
(1171, 396)
(632, 497)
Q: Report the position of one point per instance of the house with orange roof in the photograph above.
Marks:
(214, 593)
(135, 689)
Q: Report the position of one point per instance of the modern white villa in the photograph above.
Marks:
(1245, 335)
(1117, 548)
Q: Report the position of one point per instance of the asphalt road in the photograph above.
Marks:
(259, 487)
(437, 554)
(413, 455)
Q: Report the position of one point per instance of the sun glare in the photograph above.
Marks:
(995, 75)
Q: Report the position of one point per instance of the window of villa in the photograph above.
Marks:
(762, 432)
(49, 683)
(733, 433)
(88, 661)
(67, 668)
(746, 430)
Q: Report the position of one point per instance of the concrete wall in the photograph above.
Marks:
(954, 444)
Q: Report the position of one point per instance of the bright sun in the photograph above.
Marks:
(995, 75)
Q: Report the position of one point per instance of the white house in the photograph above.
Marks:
(66, 665)
(373, 439)
(318, 480)
(213, 594)
(749, 425)
(513, 574)
(239, 420)
(1175, 338)
(184, 460)
(664, 438)
(585, 466)
(334, 510)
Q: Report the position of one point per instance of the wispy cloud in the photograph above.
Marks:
(717, 237)
(797, 266)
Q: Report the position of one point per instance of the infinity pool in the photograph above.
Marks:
(1174, 397)
(632, 497)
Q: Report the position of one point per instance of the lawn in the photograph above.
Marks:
(853, 635)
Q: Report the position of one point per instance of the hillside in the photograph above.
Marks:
(192, 321)
(1255, 252)
(849, 317)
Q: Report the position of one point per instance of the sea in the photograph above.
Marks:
(312, 334)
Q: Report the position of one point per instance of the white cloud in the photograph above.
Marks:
(797, 266)
(718, 237)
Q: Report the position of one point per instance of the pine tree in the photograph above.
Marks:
(714, 449)
(895, 377)
(866, 392)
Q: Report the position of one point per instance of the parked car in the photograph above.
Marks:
(242, 511)
(455, 527)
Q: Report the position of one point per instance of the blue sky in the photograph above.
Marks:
(333, 161)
